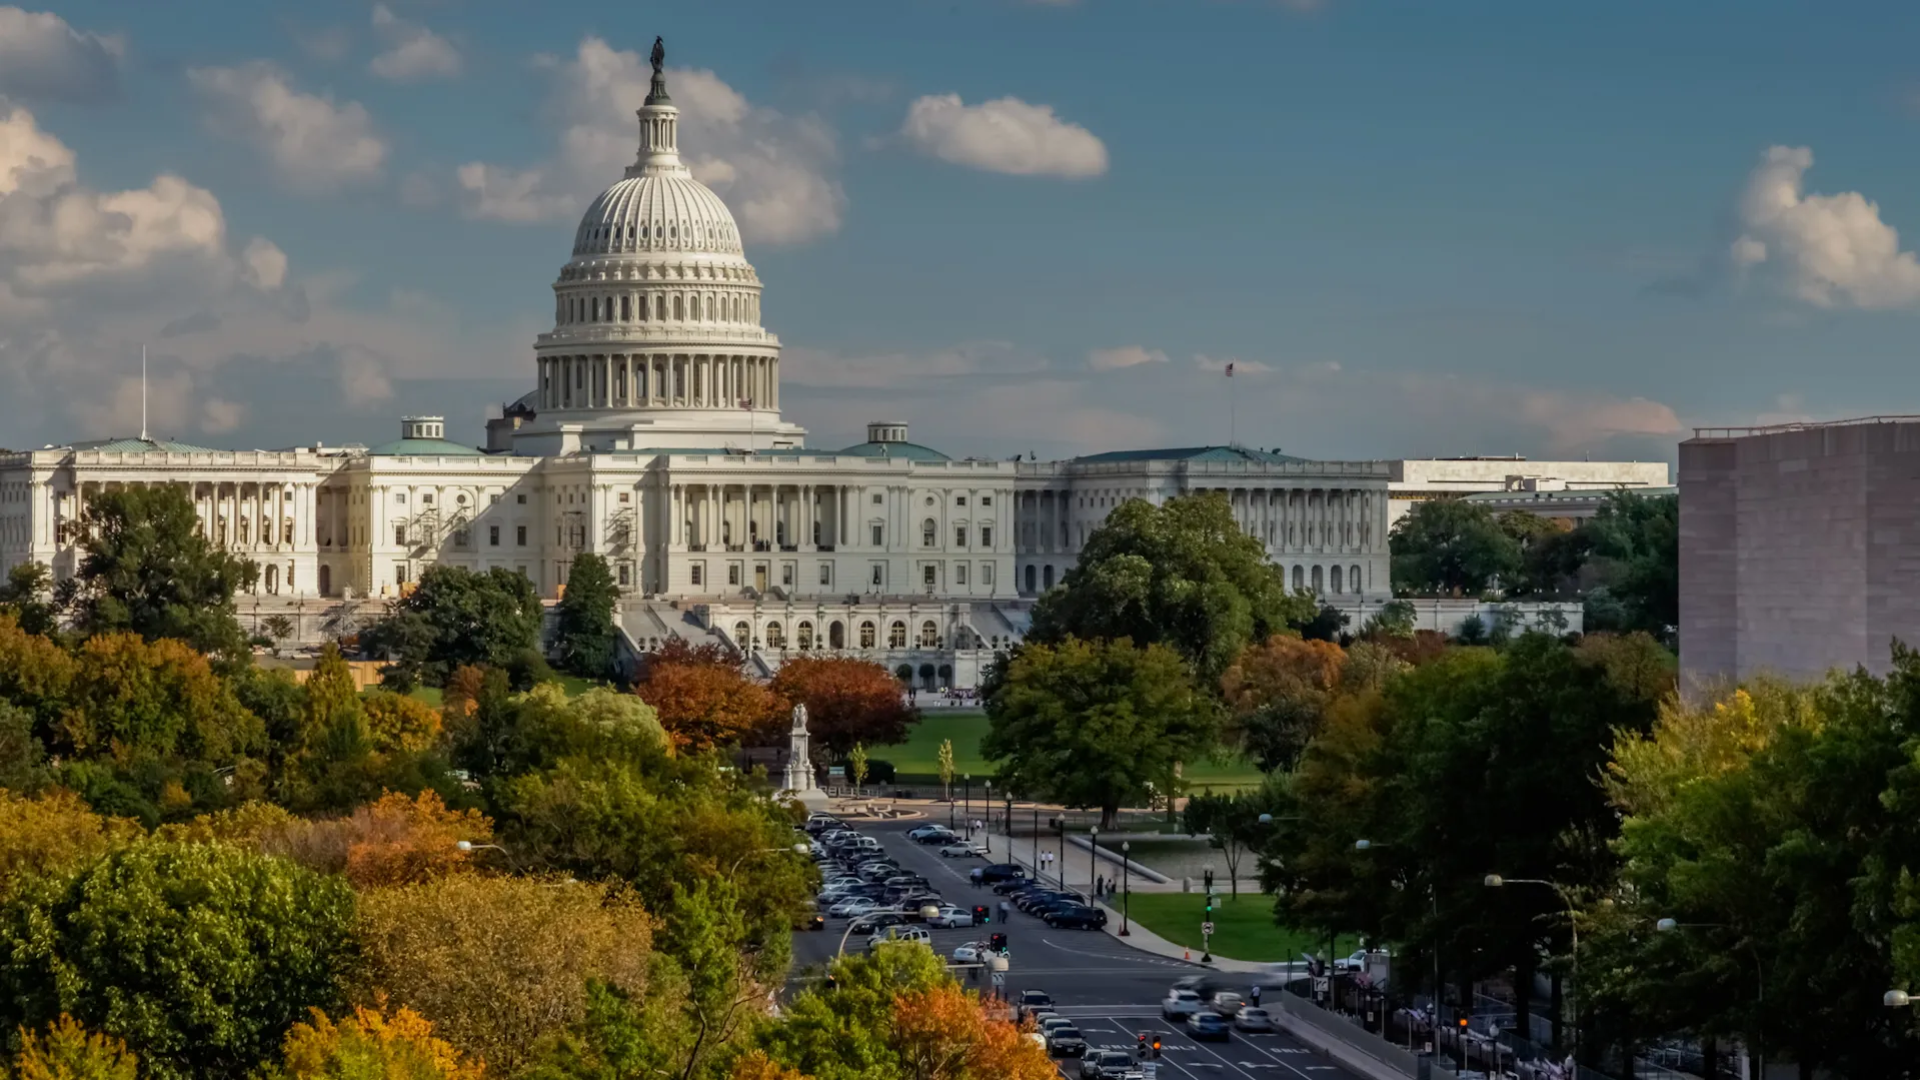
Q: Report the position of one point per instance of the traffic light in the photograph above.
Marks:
(997, 942)
(982, 915)
(1156, 1048)
(1141, 1048)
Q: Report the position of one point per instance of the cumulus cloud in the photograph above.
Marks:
(826, 369)
(1005, 135)
(776, 171)
(42, 58)
(219, 416)
(314, 144)
(1125, 356)
(412, 52)
(1828, 250)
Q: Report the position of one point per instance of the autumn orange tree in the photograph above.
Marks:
(68, 1051)
(1276, 693)
(703, 705)
(848, 701)
(944, 1034)
(372, 1043)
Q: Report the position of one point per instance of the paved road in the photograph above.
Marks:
(1111, 990)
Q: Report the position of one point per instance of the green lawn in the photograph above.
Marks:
(574, 684)
(1243, 928)
(920, 754)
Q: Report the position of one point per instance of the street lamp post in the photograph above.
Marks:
(1093, 856)
(466, 847)
(966, 792)
(1495, 881)
(1433, 896)
(1126, 881)
(797, 849)
(988, 800)
(1036, 839)
(1754, 1050)
(1206, 935)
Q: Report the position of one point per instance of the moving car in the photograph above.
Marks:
(1357, 960)
(1253, 1018)
(951, 917)
(1180, 1004)
(900, 933)
(1105, 1065)
(931, 834)
(879, 920)
(1033, 1001)
(1066, 1041)
(1075, 917)
(1210, 1027)
(1228, 1003)
(993, 872)
(973, 952)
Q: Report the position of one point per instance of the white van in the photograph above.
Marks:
(901, 933)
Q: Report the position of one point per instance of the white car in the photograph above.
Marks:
(854, 908)
(973, 952)
(1180, 1004)
(951, 917)
(960, 851)
(1357, 961)
(1228, 1004)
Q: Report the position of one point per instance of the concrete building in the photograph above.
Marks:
(1415, 480)
(1799, 547)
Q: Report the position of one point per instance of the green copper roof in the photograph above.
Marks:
(1194, 453)
(908, 451)
(425, 448)
(142, 446)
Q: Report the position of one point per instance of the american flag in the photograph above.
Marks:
(1229, 369)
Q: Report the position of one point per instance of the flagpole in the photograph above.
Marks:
(1232, 411)
(143, 393)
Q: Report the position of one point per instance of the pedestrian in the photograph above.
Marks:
(1004, 908)
(1254, 995)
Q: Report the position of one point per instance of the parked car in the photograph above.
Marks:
(879, 920)
(853, 908)
(1180, 1004)
(1253, 1018)
(1357, 960)
(1066, 1041)
(993, 872)
(900, 933)
(1211, 1027)
(960, 850)
(951, 917)
(1075, 917)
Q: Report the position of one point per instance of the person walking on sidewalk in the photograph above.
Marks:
(1004, 908)
(1254, 995)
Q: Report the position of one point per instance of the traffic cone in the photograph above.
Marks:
(1186, 954)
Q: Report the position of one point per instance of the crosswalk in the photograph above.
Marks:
(1245, 1056)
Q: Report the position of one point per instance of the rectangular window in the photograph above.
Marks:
(786, 574)
(462, 538)
(879, 575)
(959, 536)
(426, 500)
(626, 496)
(521, 499)
(625, 575)
(826, 573)
(400, 497)
(494, 498)
(699, 571)
(876, 500)
(986, 574)
(520, 536)
(928, 575)
(399, 573)
(400, 536)
(960, 574)
(960, 501)
(879, 536)
(493, 536)
(986, 536)
(986, 500)
(733, 573)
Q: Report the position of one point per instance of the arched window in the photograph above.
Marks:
(897, 635)
(1046, 578)
(660, 307)
(1319, 584)
(1033, 574)
(928, 532)
(626, 309)
(326, 580)
(803, 634)
(929, 635)
(742, 634)
(776, 635)
(836, 635)
(1353, 578)
(1299, 578)
(866, 634)
(1338, 580)
(679, 307)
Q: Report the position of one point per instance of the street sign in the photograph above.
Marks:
(1206, 927)
(999, 978)
(1150, 1069)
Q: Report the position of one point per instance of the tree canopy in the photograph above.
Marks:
(455, 617)
(148, 569)
(1183, 574)
(1095, 723)
(848, 700)
(584, 634)
(1452, 546)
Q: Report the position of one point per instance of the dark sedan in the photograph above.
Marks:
(876, 922)
(1075, 917)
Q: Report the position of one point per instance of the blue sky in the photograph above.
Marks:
(1470, 227)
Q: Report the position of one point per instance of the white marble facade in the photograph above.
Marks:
(654, 437)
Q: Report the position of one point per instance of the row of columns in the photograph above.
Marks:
(686, 380)
(716, 516)
(1326, 519)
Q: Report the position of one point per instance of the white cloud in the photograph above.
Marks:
(1005, 135)
(413, 52)
(1125, 356)
(775, 171)
(363, 380)
(43, 58)
(314, 144)
(266, 264)
(819, 368)
(1828, 250)
(219, 416)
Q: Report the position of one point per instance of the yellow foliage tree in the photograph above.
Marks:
(1691, 741)
(758, 1066)
(52, 831)
(68, 1051)
(401, 723)
(401, 841)
(372, 1045)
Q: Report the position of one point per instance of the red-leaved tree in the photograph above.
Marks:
(848, 701)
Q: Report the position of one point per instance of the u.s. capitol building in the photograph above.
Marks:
(654, 437)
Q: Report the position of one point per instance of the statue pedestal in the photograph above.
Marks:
(799, 778)
(813, 799)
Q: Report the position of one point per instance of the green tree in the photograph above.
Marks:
(1451, 546)
(842, 1032)
(857, 765)
(277, 627)
(1395, 619)
(946, 769)
(28, 597)
(584, 634)
(1232, 824)
(148, 569)
(1094, 723)
(456, 617)
(1183, 574)
(1635, 539)
(200, 956)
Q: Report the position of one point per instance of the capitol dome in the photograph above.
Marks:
(656, 339)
